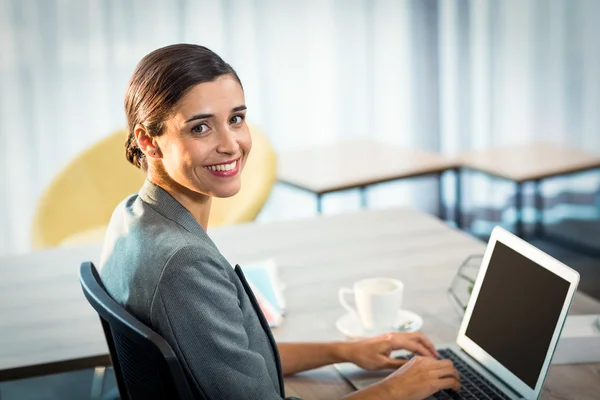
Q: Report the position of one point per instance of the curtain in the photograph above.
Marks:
(438, 75)
(514, 71)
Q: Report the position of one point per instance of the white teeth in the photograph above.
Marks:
(222, 167)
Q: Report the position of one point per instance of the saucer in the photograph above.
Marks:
(350, 325)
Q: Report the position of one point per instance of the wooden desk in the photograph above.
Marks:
(356, 164)
(531, 162)
(315, 256)
(47, 326)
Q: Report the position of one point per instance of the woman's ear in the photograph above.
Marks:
(145, 142)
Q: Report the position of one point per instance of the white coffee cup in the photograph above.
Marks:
(378, 301)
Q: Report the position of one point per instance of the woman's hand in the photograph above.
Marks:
(374, 353)
(419, 378)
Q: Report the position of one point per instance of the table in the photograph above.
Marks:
(532, 162)
(316, 257)
(357, 164)
(47, 326)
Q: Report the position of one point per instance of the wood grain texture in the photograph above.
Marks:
(354, 164)
(47, 320)
(532, 161)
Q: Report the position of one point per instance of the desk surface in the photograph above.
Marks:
(532, 161)
(47, 326)
(353, 164)
(315, 256)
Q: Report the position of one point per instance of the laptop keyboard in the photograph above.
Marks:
(473, 386)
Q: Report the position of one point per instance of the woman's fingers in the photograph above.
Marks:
(447, 372)
(427, 343)
(441, 364)
(447, 383)
(393, 363)
(417, 348)
(415, 342)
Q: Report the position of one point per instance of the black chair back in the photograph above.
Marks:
(146, 367)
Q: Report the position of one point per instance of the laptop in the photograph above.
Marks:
(510, 328)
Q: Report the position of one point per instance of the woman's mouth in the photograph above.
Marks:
(224, 170)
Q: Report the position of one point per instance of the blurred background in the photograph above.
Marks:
(438, 75)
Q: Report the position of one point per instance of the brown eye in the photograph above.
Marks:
(236, 119)
(200, 128)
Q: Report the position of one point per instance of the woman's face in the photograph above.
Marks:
(206, 141)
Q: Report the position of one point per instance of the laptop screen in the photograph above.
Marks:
(516, 312)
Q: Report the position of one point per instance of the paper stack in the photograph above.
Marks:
(267, 288)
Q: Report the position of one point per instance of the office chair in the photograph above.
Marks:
(145, 366)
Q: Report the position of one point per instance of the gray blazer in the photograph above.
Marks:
(161, 265)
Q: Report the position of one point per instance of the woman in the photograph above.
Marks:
(186, 113)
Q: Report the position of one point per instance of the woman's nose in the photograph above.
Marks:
(227, 142)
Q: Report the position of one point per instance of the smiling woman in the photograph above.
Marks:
(187, 129)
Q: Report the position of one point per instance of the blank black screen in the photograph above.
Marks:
(516, 312)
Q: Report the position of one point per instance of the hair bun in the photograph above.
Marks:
(133, 153)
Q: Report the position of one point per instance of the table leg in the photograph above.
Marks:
(363, 196)
(519, 210)
(441, 203)
(539, 209)
(565, 241)
(319, 203)
(98, 383)
(458, 198)
(598, 199)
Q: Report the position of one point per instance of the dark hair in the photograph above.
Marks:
(159, 81)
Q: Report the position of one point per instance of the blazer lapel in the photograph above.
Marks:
(264, 324)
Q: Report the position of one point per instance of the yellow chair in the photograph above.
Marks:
(77, 205)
